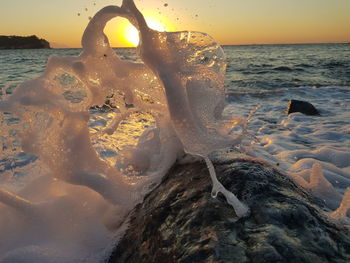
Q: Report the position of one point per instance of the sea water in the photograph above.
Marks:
(265, 75)
(77, 224)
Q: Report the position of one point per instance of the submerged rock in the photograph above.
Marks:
(179, 221)
(302, 106)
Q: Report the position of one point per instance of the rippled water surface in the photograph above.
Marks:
(254, 68)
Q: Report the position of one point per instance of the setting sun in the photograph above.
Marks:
(121, 33)
(132, 35)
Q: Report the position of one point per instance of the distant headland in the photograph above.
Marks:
(20, 42)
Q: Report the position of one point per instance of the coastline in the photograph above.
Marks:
(23, 42)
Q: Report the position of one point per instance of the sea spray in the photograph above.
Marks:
(191, 67)
(70, 212)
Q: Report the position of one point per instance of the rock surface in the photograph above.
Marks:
(179, 221)
(302, 106)
(18, 42)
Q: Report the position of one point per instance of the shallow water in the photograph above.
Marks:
(268, 76)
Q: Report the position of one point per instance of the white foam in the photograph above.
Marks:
(296, 142)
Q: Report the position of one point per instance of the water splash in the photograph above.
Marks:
(191, 67)
(180, 85)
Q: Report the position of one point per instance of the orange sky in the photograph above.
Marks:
(228, 21)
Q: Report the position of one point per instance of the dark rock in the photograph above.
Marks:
(18, 42)
(302, 106)
(180, 222)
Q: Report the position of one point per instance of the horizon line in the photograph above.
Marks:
(252, 44)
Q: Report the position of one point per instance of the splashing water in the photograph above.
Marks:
(179, 86)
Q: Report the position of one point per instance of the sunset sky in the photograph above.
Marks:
(62, 22)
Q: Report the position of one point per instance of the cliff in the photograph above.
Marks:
(19, 42)
(179, 222)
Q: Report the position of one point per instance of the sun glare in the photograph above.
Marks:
(122, 34)
(132, 35)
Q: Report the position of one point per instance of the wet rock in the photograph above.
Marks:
(180, 222)
(302, 106)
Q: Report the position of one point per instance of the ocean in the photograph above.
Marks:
(265, 75)
(260, 81)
